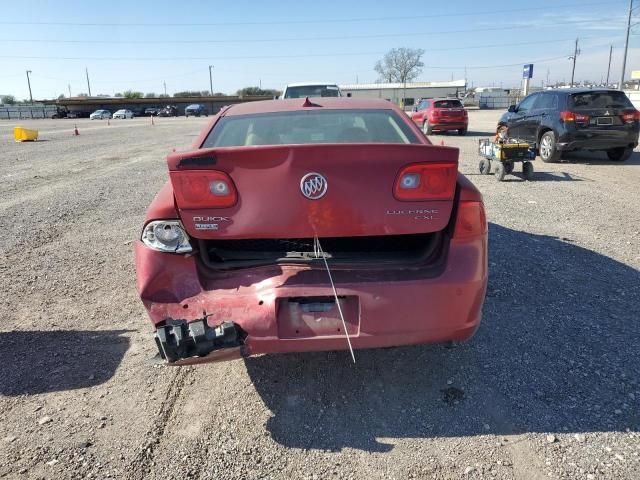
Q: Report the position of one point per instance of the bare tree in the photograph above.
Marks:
(400, 65)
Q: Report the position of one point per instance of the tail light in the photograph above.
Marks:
(203, 189)
(471, 220)
(574, 117)
(426, 181)
(630, 117)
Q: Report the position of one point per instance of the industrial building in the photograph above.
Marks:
(412, 92)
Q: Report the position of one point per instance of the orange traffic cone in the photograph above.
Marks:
(75, 130)
(442, 143)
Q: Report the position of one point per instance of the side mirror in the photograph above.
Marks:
(512, 109)
(414, 109)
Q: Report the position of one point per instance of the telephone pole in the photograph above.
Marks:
(626, 46)
(69, 85)
(609, 68)
(164, 84)
(576, 52)
(29, 83)
(210, 80)
(86, 70)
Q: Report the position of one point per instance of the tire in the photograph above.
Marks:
(499, 171)
(462, 131)
(547, 148)
(508, 167)
(619, 154)
(426, 128)
(527, 170)
(485, 166)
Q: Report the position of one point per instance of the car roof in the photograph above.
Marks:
(578, 90)
(441, 99)
(310, 84)
(296, 104)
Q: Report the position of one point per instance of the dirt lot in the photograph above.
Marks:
(549, 387)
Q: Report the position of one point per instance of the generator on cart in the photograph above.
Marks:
(504, 152)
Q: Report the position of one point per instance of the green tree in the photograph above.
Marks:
(118, 95)
(150, 95)
(8, 99)
(257, 91)
(188, 93)
(163, 95)
(132, 94)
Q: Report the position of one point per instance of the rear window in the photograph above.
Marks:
(609, 99)
(312, 91)
(447, 104)
(310, 127)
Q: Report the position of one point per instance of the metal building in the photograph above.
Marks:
(411, 91)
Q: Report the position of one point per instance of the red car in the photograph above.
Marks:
(441, 114)
(298, 225)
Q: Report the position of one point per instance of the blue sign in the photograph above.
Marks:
(527, 71)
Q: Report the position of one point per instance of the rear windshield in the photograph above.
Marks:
(447, 104)
(312, 91)
(611, 99)
(310, 127)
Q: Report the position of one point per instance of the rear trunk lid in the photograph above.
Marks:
(271, 182)
(601, 111)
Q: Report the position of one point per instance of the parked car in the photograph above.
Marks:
(196, 110)
(123, 113)
(441, 114)
(168, 111)
(151, 111)
(557, 121)
(311, 89)
(100, 114)
(295, 229)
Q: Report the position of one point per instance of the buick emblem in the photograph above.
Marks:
(313, 186)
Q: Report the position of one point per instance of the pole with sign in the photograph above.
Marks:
(527, 74)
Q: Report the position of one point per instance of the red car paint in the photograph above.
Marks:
(441, 114)
(385, 304)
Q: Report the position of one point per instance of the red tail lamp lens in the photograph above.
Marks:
(631, 116)
(426, 181)
(203, 189)
(574, 117)
(471, 220)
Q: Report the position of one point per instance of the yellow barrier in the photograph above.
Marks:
(25, 135)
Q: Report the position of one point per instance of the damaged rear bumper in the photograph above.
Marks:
(291, 308)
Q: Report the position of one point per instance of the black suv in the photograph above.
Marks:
(556, 121)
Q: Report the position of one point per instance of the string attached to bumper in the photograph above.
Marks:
(318, 252)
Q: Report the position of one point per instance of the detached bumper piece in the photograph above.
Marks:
(180, 340)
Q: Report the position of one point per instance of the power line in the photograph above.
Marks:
(277, 39)
(501, 12)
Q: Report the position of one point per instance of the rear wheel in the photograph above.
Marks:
(485, 166)
(527, 170)
(547, 148)
(462, 131)
(619, 154)
(508, 167)
(499, 171)
(426, 128)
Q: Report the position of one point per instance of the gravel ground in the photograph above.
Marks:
(548, 388)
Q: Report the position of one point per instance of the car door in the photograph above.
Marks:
(517, 121)
(533, 118)
(418, 115)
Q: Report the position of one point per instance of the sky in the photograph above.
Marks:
(140, 45)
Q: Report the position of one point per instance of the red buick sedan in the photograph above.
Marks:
(311, 224)
(441, 114)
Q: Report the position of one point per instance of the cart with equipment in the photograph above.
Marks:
(504, 154)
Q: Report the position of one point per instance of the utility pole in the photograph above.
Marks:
(548, 76)
(609, 68)
(29, 83)
(164, 84)
(576, 52)
(69, 85)
(626, 46)
(86, 70)
(211, 80)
